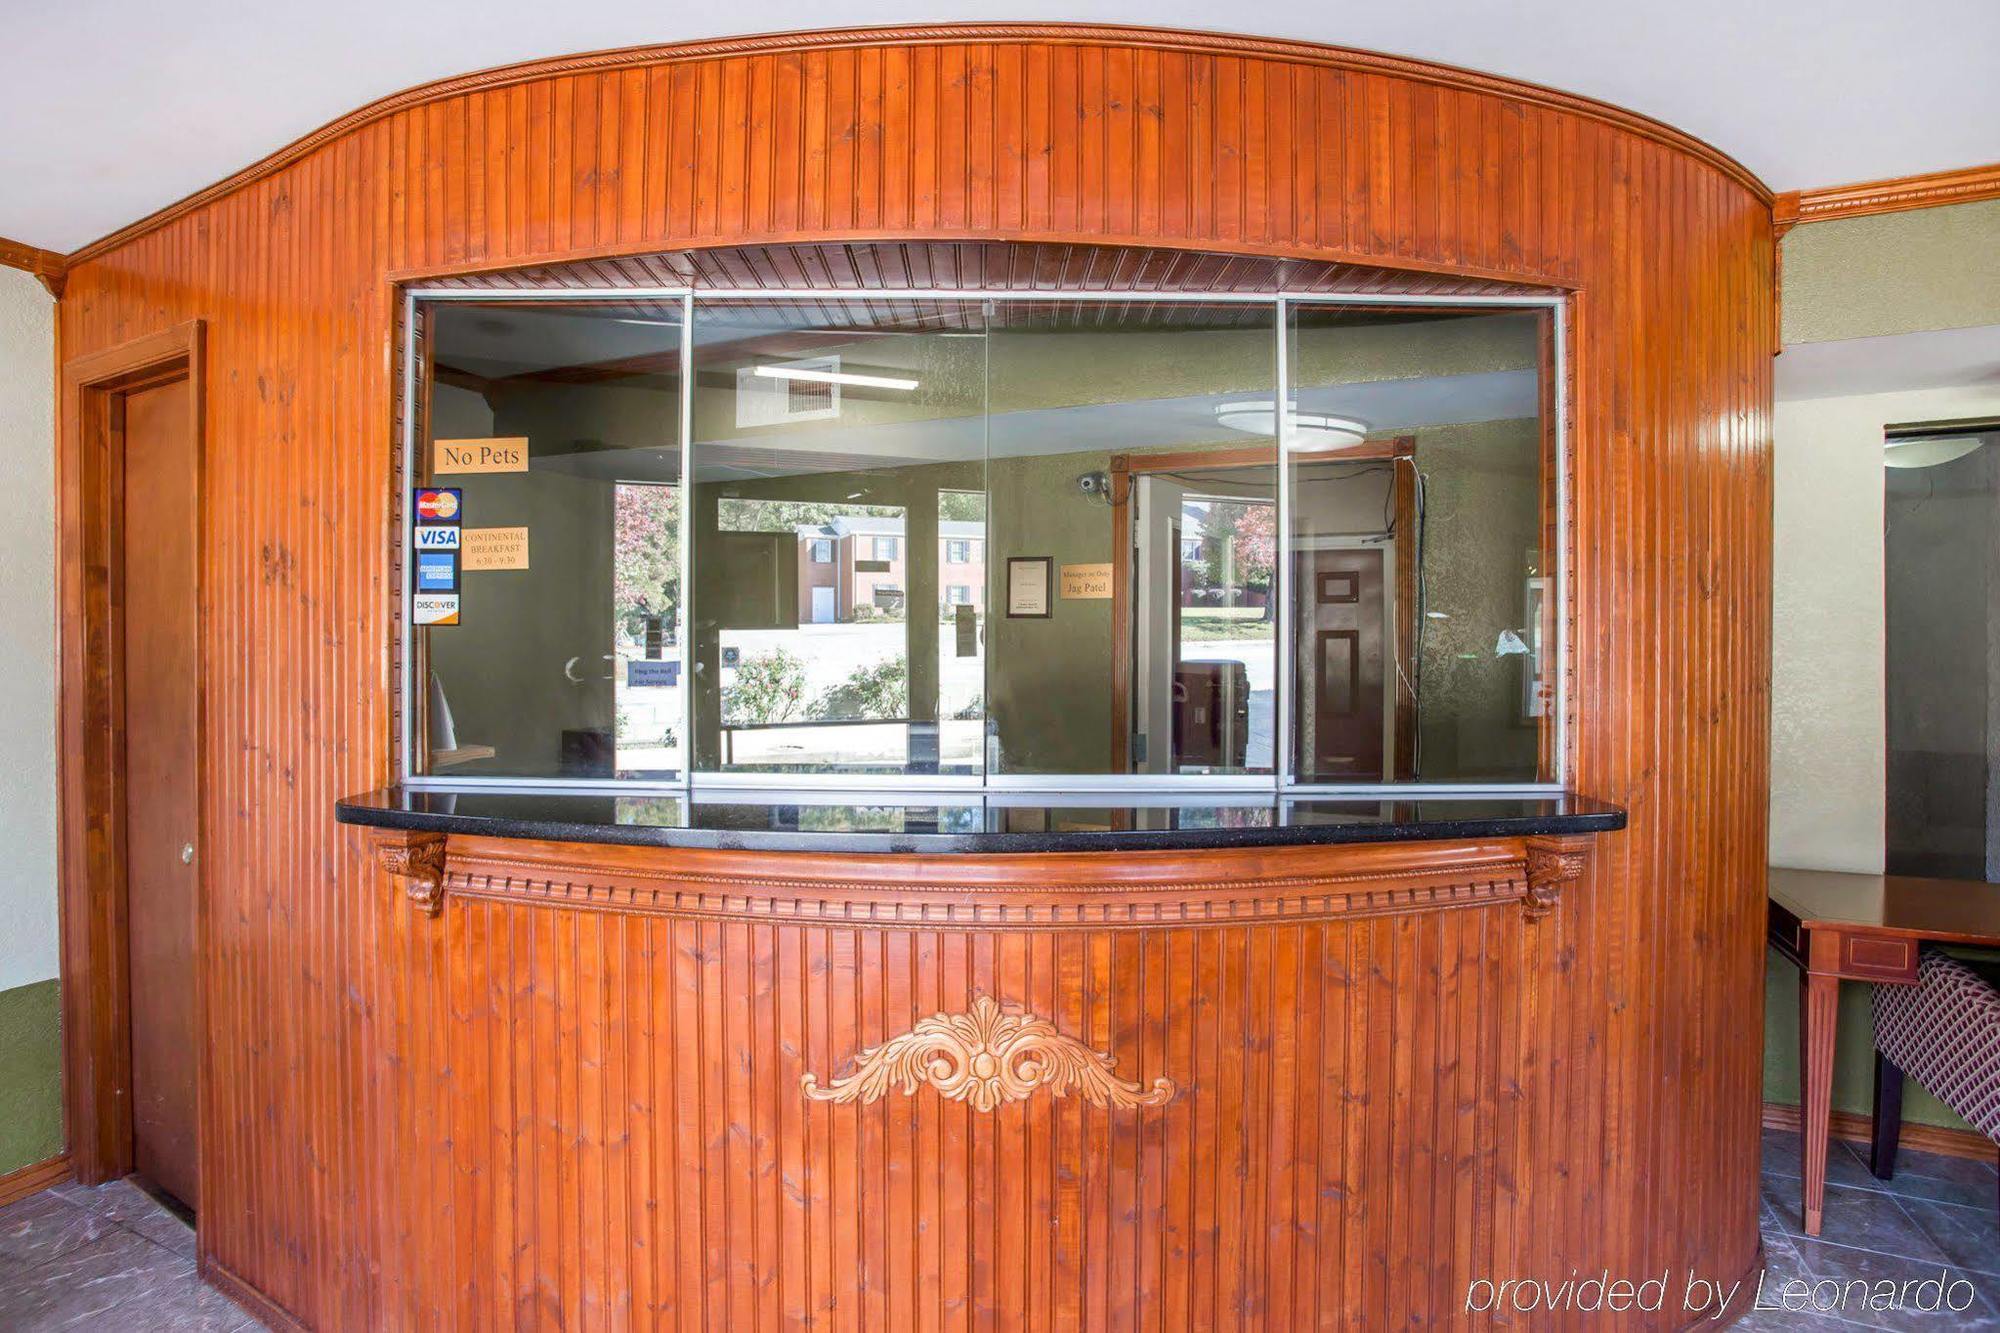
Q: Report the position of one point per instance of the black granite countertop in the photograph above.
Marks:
(969, 822)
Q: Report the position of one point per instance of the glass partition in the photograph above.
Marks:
(1421, 519)
(984, 540)
(544, 544)
(1137, 635)
(839, 517)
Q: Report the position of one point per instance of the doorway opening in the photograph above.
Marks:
(1941, 557)
(129, 478)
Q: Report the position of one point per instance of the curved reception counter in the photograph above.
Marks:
(996, 407)
(1050, 1066)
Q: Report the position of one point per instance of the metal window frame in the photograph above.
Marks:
(1280, 784)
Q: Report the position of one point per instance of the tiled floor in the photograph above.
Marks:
(1937, 1216)
(111, 1258)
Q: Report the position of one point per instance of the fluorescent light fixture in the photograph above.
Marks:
(835, 377)
(1311, 432)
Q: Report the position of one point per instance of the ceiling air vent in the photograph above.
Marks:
(764, 399)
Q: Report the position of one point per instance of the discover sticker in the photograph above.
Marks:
(436, 608)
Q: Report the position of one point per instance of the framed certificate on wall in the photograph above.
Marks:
(1028, 579)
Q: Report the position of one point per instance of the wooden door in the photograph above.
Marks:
(161, 779)
(1343, 646)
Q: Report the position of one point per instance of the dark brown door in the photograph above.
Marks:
(1343, 648)
(161, 787)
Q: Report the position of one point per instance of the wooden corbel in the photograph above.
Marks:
(418, 860)
(1552, 863)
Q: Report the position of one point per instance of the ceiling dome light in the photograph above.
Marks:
(1311, 432)
(1928, 450)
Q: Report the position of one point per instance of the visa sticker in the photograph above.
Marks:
(435, 608)
(439, 504)
(437, 571)
(437, 537)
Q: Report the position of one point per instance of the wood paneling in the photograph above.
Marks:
(1632, 1141)
(1344, 1040)
(1896, 195)
(981, 266)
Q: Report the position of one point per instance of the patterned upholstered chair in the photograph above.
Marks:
(1945, 1033)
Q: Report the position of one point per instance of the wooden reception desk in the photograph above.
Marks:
(731, 1062)
(568, 1082)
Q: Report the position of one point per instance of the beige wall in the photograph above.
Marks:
(1828, 744)
(30, 1045)
(1828, 740)
(28, 947)
(1933, 268)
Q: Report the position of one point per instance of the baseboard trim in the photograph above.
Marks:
(1861, 1129)
(33, 1178)
(247, 1296)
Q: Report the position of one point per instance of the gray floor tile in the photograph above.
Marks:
(129, 1206)
(107, 1258)
(44, 1226)
(1969, 1237)
(1857, 1281)
(80, 1288)
(1866, 1220)
(1843, 1167)
(1941, 1179)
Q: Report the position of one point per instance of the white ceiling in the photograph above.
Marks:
(110, 109)
(1893, 363)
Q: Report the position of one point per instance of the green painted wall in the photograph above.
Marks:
(1932, 268)
(1854, 1051)
(30, 1075)
(1854, 1055)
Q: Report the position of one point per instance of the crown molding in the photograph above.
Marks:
(46, 265)
(1899, 194)
(1078, 34)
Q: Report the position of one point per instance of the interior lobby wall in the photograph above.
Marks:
(1828, 739)
(30, 1051)
(1930, 268)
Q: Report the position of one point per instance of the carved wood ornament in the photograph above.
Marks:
(1552, 863)
(418, 859)
(987, 1056)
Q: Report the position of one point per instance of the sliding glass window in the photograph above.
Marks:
(543, 550)
(1422, 524)
(839, 466)
(1018, 542)
(1134, 484)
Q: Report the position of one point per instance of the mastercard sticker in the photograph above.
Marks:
(438, 505)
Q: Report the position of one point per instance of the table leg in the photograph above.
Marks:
(1819, 1010)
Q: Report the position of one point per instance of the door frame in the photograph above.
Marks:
(1126, 467)
(96, 985)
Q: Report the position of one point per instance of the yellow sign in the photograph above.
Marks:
(501, 454)
(1088, 581)
(496, 548)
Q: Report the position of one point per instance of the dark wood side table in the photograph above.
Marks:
(1840, 927)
